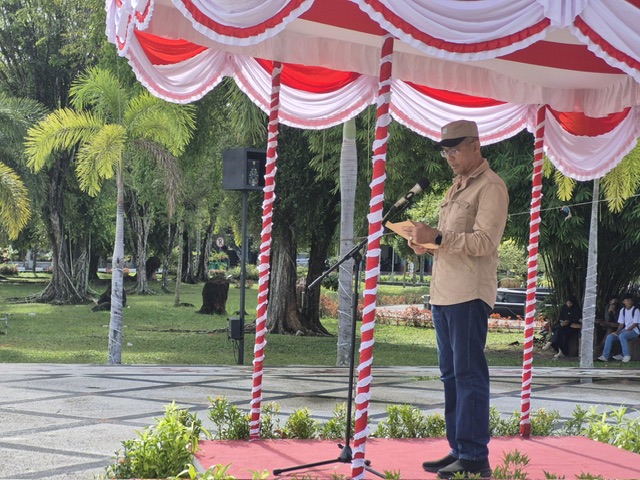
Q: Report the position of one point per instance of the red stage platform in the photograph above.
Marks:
(563, 457)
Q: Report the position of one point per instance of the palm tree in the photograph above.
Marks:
(16, 115)
(14, 202)
(108, 126)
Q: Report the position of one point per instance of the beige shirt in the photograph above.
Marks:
(472, 220)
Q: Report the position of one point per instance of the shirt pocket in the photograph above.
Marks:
(460, 216)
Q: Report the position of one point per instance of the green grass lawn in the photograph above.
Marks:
(156, 332)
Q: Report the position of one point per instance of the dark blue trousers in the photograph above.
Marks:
(461, 331)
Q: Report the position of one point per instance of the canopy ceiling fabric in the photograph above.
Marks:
(506, 57)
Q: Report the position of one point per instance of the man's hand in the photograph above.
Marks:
(420, 233)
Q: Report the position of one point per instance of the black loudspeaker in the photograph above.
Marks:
(234, 329)
(243, 169)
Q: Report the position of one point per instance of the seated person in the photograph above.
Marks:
(610, 316)
(628, 329)
(568, 325)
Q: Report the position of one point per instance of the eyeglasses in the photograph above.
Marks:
(444, 153)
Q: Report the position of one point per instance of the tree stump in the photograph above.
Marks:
(151, 266)
(104, 302)
(214, 296)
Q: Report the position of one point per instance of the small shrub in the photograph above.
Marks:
(231, 423)
(500, 427)
(251, 273)
(614, 428)
(161, 450)
(513, 465)
(328, 306)
(300, 425)
(542, 423)
(405, 421)
(336, 427)
(269, 421)
(8, 269)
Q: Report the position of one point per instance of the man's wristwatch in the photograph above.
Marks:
(438, 239)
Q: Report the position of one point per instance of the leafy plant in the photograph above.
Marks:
(269, 421)
(405, 421)
(542, 423)
(217, 472)
(231, 423)
(615, 428)
(512, 467)
(336, 427)
(300, 425)
(161, 450)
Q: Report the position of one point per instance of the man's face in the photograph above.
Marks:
(462, 158)
(628, 302)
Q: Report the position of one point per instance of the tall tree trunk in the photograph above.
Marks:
(283, 315)
(176, 301)
(166, 258)
(205, 251)
(187, 258)
(80, 278)
(311, 305)
(591, 289)
(60, 289)
(117, 278)
(348, 180)
(141, 219)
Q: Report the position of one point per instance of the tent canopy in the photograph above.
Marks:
(494, 61)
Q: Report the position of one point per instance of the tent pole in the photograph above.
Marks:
(379, 158)
(532, 274)
(265, 251)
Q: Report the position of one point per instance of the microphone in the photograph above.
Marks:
(422, 184)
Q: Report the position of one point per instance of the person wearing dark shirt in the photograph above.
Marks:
(568, 325)
(611, 317)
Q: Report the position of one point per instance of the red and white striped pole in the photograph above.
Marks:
(265, 252)
(373, 260)
(532, 275)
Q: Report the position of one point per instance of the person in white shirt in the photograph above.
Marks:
(628, 329)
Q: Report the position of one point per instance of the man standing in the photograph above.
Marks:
(463, 292)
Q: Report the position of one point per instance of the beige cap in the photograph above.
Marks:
(455, 132)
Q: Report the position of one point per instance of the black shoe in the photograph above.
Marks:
(477, 468)
(436, 465)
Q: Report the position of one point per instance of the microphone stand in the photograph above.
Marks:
(355, 253)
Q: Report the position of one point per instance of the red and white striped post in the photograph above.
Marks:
(372, 272)
(532, 275)
(265, 251)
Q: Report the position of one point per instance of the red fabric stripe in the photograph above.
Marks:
(142, 16)
(561, 55)
(456, 47)
(577, 123)
(238, 32)
(311, 79)
(164, 51)
(606, 46)
(454, 98)
(343, 14)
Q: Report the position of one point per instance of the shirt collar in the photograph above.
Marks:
(461, 182)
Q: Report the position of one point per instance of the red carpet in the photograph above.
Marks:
(564, 457)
